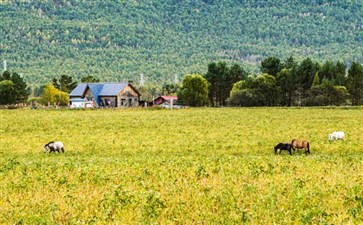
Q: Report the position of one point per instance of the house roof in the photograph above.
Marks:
(79, 90)
(99, 89)
(112, 89)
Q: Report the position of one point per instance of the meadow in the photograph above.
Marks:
(187, 166)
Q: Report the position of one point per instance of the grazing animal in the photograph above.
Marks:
(283, 146)
(336, 135)
(299, 144)
(54, 146)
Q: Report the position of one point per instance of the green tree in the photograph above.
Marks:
(339, 75)
(19, 91)
(355, 83)
(327, 71)
(289, 63)
(305, 76)
(64, 83)
(169, 89)
(242, 93)
(326, 94)
(265, 89)
(221, 80)
(316, 80)
(285, 80)
(216, 77)
(89, 79)
(7, 93)
(244, 97)
(237, 73)
(271, 65)
(194, 90)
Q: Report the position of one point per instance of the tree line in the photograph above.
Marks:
(280, 83)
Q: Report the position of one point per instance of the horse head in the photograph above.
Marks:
(46, 146)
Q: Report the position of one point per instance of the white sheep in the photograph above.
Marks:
(336, 135)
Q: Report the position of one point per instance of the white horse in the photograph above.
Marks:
(54, 146)
(336, 135)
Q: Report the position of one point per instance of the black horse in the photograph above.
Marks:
(283, 146)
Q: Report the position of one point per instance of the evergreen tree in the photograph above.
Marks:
(339, 76)
(64, 83)
(237, 73)
(305, 76)
(355, 83)
(316, 80)
(221, 80)
(327, 71)
(286, 83)
(271, 65)
(15, 91)
(289, 63)
(7, 95)
(89, 79)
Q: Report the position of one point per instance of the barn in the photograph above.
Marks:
(165, 101)
(106, 94)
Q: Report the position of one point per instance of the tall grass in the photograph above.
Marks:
(213, 166)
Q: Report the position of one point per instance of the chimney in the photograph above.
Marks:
(130, 81)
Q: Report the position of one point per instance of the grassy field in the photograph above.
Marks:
(189, 166)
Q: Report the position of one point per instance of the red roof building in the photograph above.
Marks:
(165, 100)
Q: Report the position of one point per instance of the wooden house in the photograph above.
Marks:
(106, 94)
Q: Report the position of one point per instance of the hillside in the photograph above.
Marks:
(118, 40)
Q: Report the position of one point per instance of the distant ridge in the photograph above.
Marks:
(116, 41)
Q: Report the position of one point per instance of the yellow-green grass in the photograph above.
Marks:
(189, 166)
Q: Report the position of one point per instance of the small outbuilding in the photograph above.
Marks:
(166, 101)
(105, 95)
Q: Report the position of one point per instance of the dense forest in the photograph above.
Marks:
(117, 40)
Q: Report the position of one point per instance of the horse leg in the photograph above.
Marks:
(62, 149)
(289, 151)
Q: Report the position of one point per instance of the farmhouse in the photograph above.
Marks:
(105, 95)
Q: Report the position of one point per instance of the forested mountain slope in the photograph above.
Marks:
(118, 40)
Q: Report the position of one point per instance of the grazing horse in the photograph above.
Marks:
(54, 146)
(299, 144)
(283, 146)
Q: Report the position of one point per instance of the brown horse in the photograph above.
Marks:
(301, 144)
